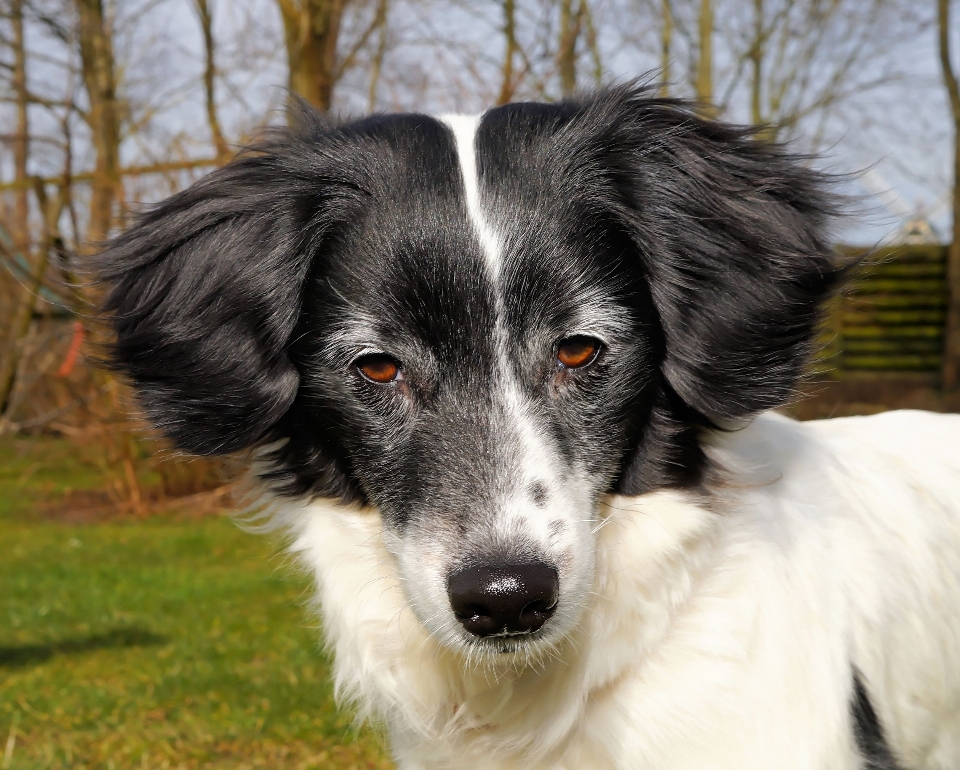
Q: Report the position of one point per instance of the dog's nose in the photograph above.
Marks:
(506, 599)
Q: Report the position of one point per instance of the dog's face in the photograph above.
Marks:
(479, 327)
(487, 351)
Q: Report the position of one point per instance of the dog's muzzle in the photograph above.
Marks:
(504, 600)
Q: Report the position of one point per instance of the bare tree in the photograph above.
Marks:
(571, 26)
(50, 241)
(376, 63)
(704, 82)
(21, 139)
(508, 80)
(311, 29)
(951, 352)
(19, 323)
(806, 58)
(666, 41)
(19, 245)
(755, 54)
(95, 37)
(793, 65)
(205, 13)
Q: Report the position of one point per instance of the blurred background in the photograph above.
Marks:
(139, 628)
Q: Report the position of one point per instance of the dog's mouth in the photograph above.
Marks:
(508, 643)
(506, 647)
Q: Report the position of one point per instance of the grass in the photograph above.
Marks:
(157, 643)
(35, 473)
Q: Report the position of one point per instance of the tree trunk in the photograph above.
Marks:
(951, 349)
(593, 44)
(21, 140)
(666, 43)
(99, 79)
(510, 40)
(17, 324)
(704, 82)
(311, 29)
(570, 24)
(376, 65)
(50, 211)
(209, 82)
(756, 61)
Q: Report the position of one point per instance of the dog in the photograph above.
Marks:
(510, 382)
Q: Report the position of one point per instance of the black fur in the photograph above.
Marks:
(205, 289)
(868, 731)
(731, 235)
(231, 300)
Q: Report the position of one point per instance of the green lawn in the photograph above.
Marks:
(158, 643)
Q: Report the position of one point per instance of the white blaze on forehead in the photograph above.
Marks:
(539, 462)
(464, 128)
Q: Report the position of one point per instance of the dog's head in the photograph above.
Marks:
(478, 326)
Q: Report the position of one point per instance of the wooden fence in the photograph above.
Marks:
(891, 318)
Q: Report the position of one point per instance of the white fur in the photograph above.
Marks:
(720, 633)
(464, 128)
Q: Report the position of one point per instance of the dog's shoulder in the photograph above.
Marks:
(893, 426)
(887, 448)
(897, 476)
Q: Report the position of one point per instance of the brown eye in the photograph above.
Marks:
(379, 368)
(578, 351)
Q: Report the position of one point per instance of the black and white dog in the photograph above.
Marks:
(509, 376)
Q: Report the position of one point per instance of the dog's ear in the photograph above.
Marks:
(204, 290)
(732, 233)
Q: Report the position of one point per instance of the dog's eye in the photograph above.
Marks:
(379, 368)
(579, 351)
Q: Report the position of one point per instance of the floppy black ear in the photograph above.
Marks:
(732, 234)
(204, 290)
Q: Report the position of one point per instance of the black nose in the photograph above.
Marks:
(512, 598)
